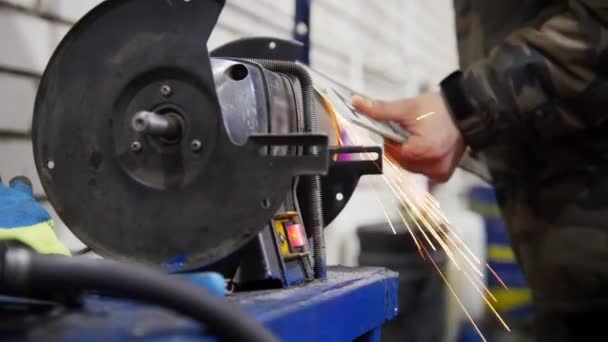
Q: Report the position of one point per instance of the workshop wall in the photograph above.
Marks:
(386, 49)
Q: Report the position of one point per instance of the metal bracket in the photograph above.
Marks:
(299, 165)
(340, 183)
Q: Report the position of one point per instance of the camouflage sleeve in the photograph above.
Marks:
(549, 80)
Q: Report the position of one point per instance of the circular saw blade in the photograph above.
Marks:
(147, 202)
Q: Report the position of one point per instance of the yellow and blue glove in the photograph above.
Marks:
(23, 219)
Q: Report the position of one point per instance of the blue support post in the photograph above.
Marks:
(301, 30)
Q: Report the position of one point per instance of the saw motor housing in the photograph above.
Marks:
(151, 149)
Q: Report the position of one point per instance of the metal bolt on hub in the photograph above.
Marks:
(166, 90)
(196, 145)
(136, 146)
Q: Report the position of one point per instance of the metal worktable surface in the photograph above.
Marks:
(352, 304)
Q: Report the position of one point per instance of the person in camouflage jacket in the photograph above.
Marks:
(531, 98)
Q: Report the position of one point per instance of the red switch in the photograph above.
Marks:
(297, 237)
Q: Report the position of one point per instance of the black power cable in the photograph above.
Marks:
(28, 274)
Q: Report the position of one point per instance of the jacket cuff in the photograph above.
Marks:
(472, 122)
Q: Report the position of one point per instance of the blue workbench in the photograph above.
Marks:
(352, 304)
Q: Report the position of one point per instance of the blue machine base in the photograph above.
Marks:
(352, 305)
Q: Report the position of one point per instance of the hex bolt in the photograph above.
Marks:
(136, 146)
(196, 145)
(165, 90)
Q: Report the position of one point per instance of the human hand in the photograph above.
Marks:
(435, 144)
(23, 219)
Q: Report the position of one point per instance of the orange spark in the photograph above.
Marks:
(425, 116)
(447, 283)
(497, 277)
